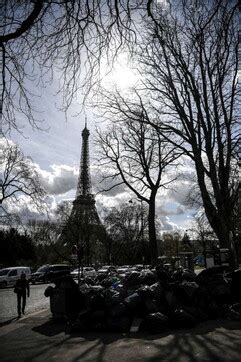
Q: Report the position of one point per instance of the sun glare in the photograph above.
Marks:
(121, 77)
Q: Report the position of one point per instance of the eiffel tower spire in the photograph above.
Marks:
(84, 182)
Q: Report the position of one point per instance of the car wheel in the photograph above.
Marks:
(4, 284)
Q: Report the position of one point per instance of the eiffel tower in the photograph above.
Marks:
(84, 227)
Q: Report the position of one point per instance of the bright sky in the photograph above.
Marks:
(56, 154)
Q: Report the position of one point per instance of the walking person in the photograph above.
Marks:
(22, 290)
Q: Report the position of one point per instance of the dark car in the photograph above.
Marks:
(47, 273)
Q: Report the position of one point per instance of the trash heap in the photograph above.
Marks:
(147, 300)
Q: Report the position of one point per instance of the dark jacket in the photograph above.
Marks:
(21, 286)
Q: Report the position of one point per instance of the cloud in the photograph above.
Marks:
(172, 209)
(166, 224)
(180, 192)
(61, 180)
(4, 142)
(100, 182)
(25, 209)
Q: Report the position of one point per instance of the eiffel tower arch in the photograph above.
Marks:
(84, 227)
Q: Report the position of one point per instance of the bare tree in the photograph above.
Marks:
(189, 56)
(126, 228)
(204, 232)
(134, 154)
(18, 177)
(45, 234)
(70, 39)
(189, 53)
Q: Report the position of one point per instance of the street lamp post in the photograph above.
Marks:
(176, 238)
(77, 251)
(142, 233)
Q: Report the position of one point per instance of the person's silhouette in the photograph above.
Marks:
(22, 289)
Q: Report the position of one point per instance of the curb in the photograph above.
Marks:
(16, 323)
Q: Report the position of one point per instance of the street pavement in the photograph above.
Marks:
(8, 301)
(37, 337)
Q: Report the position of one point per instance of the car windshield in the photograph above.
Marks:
(4, 272)
(42, 269)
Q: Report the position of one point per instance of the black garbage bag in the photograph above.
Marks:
(65, 281)
(97, 320)
(186, 291)
(148, 277)
(122, 290)
(132, 279)
(107, 282)
(133, 302)
(94, 297)
(145, 292)
(182, 319)
(90, 280)
(235, 284)
(154, 323)
(49, 291)
(157, 291)
(163, 276)
(82, 322)
(118, 311)
(188, 275)
(135, 305)
(97, 302)
(205, 275)
(235, 312)
(219, 289)
(213, 310)
(197, 313)
(100, 277)
(177, 274)
(202, 298)
(112, 297)
(163, 306)
(119, 325)
(151, 306)
(171, 300)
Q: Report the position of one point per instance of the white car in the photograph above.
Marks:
(123, 270)
(106, 269)
(9, 276)
(88, 271)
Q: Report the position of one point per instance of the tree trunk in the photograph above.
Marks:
(222, 228)
(220, 220)
(152, 230)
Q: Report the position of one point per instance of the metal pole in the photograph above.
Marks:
(142, 233)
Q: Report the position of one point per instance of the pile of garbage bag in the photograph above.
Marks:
(149, 300)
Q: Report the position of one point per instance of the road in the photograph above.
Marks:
(8, 301)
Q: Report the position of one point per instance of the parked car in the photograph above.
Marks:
(9, 276)
(47, 273)
(106, 269)
(88, 271)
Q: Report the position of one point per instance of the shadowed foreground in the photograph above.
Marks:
(38, 338)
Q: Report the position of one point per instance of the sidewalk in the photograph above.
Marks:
(37, 338)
